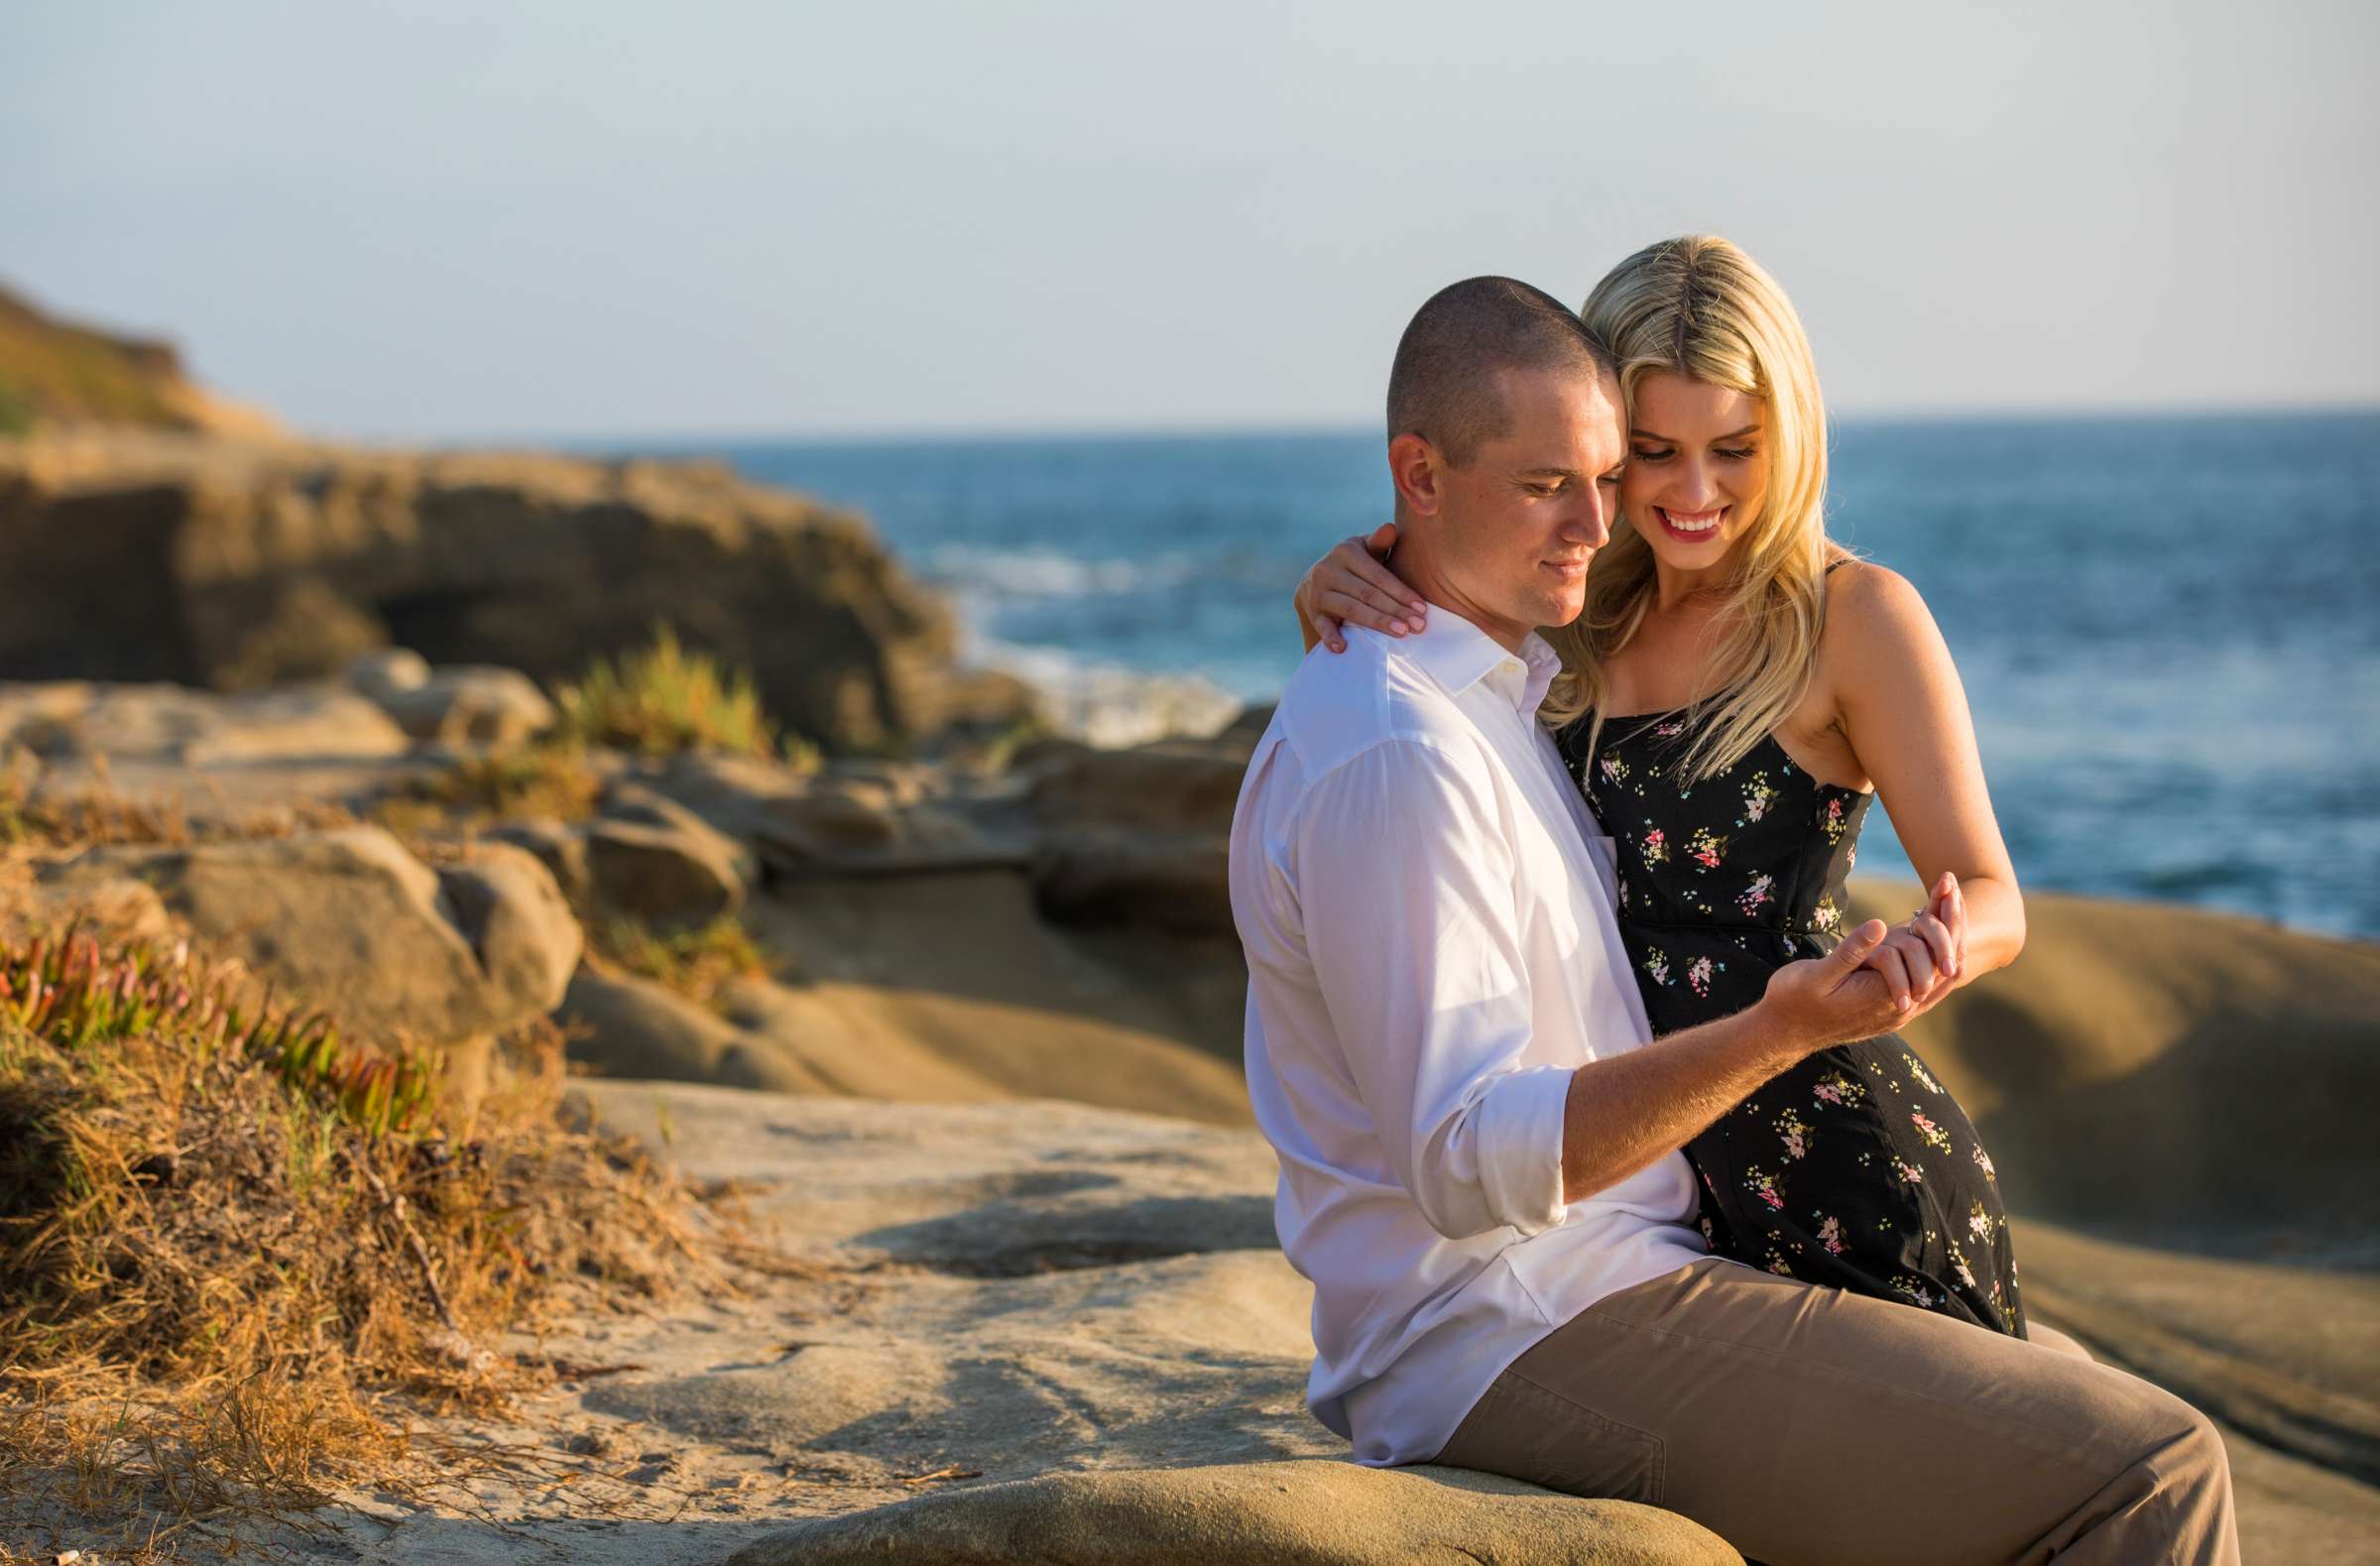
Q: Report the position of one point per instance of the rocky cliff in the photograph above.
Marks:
(142, 555)
(57, 372)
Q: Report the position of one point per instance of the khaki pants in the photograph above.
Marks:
(1806, 1425)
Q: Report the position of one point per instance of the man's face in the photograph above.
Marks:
(1517, 524)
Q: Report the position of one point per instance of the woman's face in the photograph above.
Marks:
(1698, 467)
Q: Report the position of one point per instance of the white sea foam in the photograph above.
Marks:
(1104, 704)
(972, 571)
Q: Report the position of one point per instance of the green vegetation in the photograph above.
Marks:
(696, 963)
(16, 409)
(544, 779)
(70, 996)
(662, 699)
(48, 368)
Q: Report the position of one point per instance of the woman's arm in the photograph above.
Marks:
(1350, 584)
(1904, 711)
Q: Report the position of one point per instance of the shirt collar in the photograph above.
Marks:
(1459, 655)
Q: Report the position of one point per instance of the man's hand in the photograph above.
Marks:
(1830, 1000)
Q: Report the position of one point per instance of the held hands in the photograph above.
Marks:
(1350, 586)
(1879, 978)
(1920, 956)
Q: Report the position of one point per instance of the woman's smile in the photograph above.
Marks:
(1692, 526)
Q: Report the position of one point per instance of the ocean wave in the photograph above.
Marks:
(1109, 705)
(972, 571)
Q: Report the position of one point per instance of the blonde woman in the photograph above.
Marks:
(1735, 694)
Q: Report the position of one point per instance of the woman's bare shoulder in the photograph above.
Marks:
(1872, 609)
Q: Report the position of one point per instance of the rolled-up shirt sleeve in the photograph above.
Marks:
(1405, 881)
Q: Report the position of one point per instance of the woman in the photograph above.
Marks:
(1737, 691)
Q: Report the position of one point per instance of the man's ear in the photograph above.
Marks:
(1417, 467)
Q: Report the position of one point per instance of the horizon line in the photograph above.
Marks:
(925, 435)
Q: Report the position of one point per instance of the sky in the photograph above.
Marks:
(595, 219)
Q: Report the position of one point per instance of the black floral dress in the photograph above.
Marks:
(1852, 1168)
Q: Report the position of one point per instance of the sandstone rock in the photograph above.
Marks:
(1137, 837)
(556, 845)
(625, 1027)
(1244, 730)
(847, 824)
(1170, 786)
(387, 671)
(520, 925)
(659, 874)
(1307, 1513)
(229, 563)
(167, 723)
(628, 1028)
(627, 801)
(349, 920)
(652, 859)
(114, 902)
(471, 704)
(1145, 1395)
(1176, 881)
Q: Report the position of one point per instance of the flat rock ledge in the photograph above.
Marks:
(1309, 1512)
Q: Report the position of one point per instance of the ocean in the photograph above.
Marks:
(2166, 626)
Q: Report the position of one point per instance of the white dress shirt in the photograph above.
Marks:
(1431, 949)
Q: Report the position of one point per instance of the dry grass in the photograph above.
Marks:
(696, 963)
(242, 1251)
(478, 791)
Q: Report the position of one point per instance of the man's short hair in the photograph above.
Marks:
(1443, 385)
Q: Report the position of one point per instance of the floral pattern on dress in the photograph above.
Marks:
(1839, 1090)
(1856, 1168)
(1758, 796)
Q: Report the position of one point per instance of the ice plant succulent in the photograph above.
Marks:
(69, 990)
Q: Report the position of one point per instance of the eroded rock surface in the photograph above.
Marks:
(1296, 1513)
(347, 919)
(232, 564)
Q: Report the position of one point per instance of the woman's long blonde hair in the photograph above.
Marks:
(1701, 308)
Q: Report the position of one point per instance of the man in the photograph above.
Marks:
(1479, 1143)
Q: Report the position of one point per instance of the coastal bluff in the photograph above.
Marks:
(236, 563)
